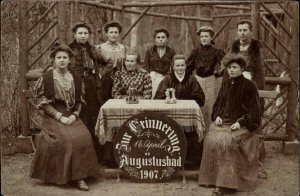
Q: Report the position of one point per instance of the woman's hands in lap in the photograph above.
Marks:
(67, 121)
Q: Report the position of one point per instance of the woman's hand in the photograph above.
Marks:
(219, 121)
(235, 126)
(63, 120)
(71, 119)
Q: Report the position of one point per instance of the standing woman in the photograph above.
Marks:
(86, 63)
(231, 150)
(114, 54)
(65, 150)
(206, 61)
(158, 58)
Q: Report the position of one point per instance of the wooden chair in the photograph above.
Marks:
(35, 115)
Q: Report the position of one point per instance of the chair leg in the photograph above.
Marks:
(32, 143)
(183, 176)
(118, 178)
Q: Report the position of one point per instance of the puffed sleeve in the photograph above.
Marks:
(43, 102)
(197, 93)
(219, 68)
(147, 93)
(190, 63)
(252, 118)
(215, 110)
(259, 71)
(98, 55)
(117, 86)
(147, 61)
(161, 89)
(78, 105)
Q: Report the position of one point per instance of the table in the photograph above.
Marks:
(115, 112)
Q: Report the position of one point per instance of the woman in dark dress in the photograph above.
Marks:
(230, 154)
(86, 64)
(205, 61)
(65, 150)
(187, 88)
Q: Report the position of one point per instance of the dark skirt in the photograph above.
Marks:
(230, 159)
(64, 152)
(105, 88)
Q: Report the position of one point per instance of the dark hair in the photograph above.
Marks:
(112, 24)
(81, 24)
(234, 58)
(57, 47)
(206, 29)
(161, 30)
(245, 21)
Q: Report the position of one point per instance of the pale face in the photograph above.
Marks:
(61, 60)
(205, 38)
(131, 62)
(234, 70)
(244, 32)
(161, 39)
(82, 35)
(113, 34)
(179, 66)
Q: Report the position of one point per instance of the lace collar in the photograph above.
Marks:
(65, 80)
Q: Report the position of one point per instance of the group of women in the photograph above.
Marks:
(85, 76)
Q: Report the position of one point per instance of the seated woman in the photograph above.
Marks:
(65, 150)
(186, 87)
(230, 154)
(132, 79)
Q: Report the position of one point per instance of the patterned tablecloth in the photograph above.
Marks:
(115, 112)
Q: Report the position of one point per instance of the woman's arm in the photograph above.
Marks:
(43, 102)
(147, 87)
(161, 90)
(197, 93)
(117, 86)
(147, 61)
(252, 118)
(190, 63)
(215, 110)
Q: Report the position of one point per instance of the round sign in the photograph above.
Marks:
(150, 147)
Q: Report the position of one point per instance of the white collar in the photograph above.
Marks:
(179, 77)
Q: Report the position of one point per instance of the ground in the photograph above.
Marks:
(282, 179)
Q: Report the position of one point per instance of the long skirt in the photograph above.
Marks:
(230, 159)
(64, 152)
(210, 86)
(90, 110)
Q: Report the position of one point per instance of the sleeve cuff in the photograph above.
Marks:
(76, 114)
(241, 121)
(58, 115)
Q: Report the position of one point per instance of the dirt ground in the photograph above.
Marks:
(282, 170)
